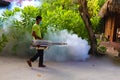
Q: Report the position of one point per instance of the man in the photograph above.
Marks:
(36, 33)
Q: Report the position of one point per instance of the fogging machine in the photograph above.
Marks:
(44, 44)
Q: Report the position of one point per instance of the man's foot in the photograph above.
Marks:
(29, 63)
(42, 66)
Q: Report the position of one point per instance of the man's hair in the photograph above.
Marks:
(38, 17)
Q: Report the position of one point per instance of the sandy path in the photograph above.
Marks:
(92, 69)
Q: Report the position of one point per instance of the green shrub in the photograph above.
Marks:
(102, 49)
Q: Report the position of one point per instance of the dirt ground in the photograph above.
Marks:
(95, 68)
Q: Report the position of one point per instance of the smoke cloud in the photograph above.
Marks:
(9, 22)
(1, 11)
(24, 4)
(76, 48)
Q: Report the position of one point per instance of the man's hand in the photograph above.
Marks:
(36, 37)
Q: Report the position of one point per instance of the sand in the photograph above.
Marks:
(95, 68)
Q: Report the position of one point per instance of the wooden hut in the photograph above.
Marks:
(4, 3)
(110, 11)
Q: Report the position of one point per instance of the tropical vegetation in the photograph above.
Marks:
(58, 14)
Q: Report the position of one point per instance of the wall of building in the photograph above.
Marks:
(109, 28)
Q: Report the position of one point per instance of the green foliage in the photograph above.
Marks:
(102, 49)
(58, 14)
(95, 23)
(94, 8)
(3, 41)
(100, 26)
(28, 14)
(101, 2)
(7, 13)
(30, 11)
(62, 14)
(20, 28)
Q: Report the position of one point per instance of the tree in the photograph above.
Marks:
(86, 19)
(62, 14)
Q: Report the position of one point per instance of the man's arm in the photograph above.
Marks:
(36, 37)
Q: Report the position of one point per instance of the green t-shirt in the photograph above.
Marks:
(37, 30)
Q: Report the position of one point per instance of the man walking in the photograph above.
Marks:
(36, 33)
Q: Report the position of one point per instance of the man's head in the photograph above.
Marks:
(38, 19)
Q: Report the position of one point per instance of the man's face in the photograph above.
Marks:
(39, 20)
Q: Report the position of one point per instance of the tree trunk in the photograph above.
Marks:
(86, 19)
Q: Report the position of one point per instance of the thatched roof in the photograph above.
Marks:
(4, 3)
(110, 6)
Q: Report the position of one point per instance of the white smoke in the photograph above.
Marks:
(9, 22)
(32, 3)
(13, 5)
(17, 16)
(23, 4)
(76, 48)
(1, 11)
